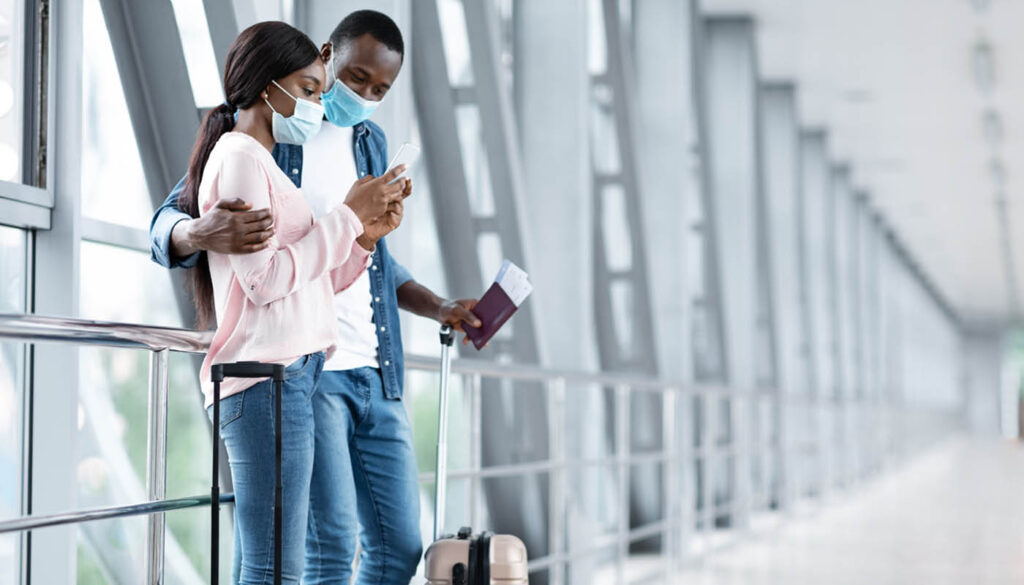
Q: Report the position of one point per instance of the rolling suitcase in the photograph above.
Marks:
(245, 370)
(466, 558)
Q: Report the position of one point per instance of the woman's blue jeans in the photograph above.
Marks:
(247, 427)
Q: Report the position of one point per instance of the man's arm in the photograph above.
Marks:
(420, 300)
(165, 221)
(231, 227)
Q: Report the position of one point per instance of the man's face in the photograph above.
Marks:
(366, 65)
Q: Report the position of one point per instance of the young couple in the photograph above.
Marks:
(304, 278)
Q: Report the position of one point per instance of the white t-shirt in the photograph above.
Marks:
(328, 171)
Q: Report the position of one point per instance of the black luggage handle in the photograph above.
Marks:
(245, 370)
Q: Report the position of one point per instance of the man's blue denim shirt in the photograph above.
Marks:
(370, 147)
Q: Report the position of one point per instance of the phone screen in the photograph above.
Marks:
(406, 155)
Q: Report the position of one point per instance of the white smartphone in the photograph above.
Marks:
(406, 155)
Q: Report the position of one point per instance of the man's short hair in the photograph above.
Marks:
(376, 24)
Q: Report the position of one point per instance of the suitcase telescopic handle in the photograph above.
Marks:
(441, 471)
(247, 370)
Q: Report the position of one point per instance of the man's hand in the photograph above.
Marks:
(231, 227)
(376, 229)
(457, 312)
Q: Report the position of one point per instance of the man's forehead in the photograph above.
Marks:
(367, 48)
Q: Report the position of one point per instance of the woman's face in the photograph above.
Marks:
(304, 84)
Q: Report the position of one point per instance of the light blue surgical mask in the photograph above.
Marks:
(301, 126)
(344, 106)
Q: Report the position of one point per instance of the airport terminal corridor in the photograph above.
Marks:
(951, 515)
(656, 292)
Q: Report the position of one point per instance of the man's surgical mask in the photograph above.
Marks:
(301, 126)
(344, 106)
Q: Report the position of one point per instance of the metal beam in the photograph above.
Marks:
(620, 203)
(220, 18)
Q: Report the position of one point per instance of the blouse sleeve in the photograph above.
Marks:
(276, 272)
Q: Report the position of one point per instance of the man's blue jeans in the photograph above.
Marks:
(364, 475)
(247, 427)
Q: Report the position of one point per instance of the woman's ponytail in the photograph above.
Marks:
(216, 123)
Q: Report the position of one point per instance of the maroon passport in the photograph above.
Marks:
(493, 309)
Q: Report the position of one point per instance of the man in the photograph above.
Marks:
(365, 467)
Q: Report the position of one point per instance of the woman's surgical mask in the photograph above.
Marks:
(301, 126)
(344, 106)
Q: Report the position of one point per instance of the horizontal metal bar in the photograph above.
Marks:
(20, 214)
(113, 234)
(488, 369)
(32, 328)
(107, 513)
(26, 194)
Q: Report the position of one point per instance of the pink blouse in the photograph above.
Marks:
(275, 305)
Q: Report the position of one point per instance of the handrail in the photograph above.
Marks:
(160, 340)
(106, 513)
(27, 327)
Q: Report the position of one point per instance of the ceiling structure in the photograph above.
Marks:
(925, 100)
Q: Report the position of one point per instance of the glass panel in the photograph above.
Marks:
(111, 443)
(113, 184)
(13, 249)
(474, 156)
(456, 42)
(203, 70)
(618, 246)
(12, 70)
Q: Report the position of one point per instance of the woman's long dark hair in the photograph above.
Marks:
(262, 53)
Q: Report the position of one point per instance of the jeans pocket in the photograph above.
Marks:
(295, 368)
(230, 409)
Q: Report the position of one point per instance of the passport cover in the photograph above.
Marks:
(494, 308)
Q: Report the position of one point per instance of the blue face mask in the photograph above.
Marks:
(301, 126)
(344, 106)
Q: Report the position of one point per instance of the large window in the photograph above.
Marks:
(12, 59)
(113, 184)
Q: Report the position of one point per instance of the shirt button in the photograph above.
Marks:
(387, 363)
(376, 299)
(383, 328)
(374, 267)
(295, 171)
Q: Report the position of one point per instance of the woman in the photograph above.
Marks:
(275, 305)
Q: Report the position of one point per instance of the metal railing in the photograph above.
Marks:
(806, 465)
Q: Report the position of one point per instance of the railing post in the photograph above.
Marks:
(622, 448)
(156, 464)
(557, 490)
(670, 479)
(475, 450)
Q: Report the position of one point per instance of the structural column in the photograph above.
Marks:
(732, 108)
(781, 147)
(815, 192)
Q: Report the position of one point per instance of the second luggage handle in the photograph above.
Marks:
(441, 471)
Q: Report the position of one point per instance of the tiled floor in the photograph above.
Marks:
(954, 516)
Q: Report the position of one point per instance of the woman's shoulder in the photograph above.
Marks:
(239, 146)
